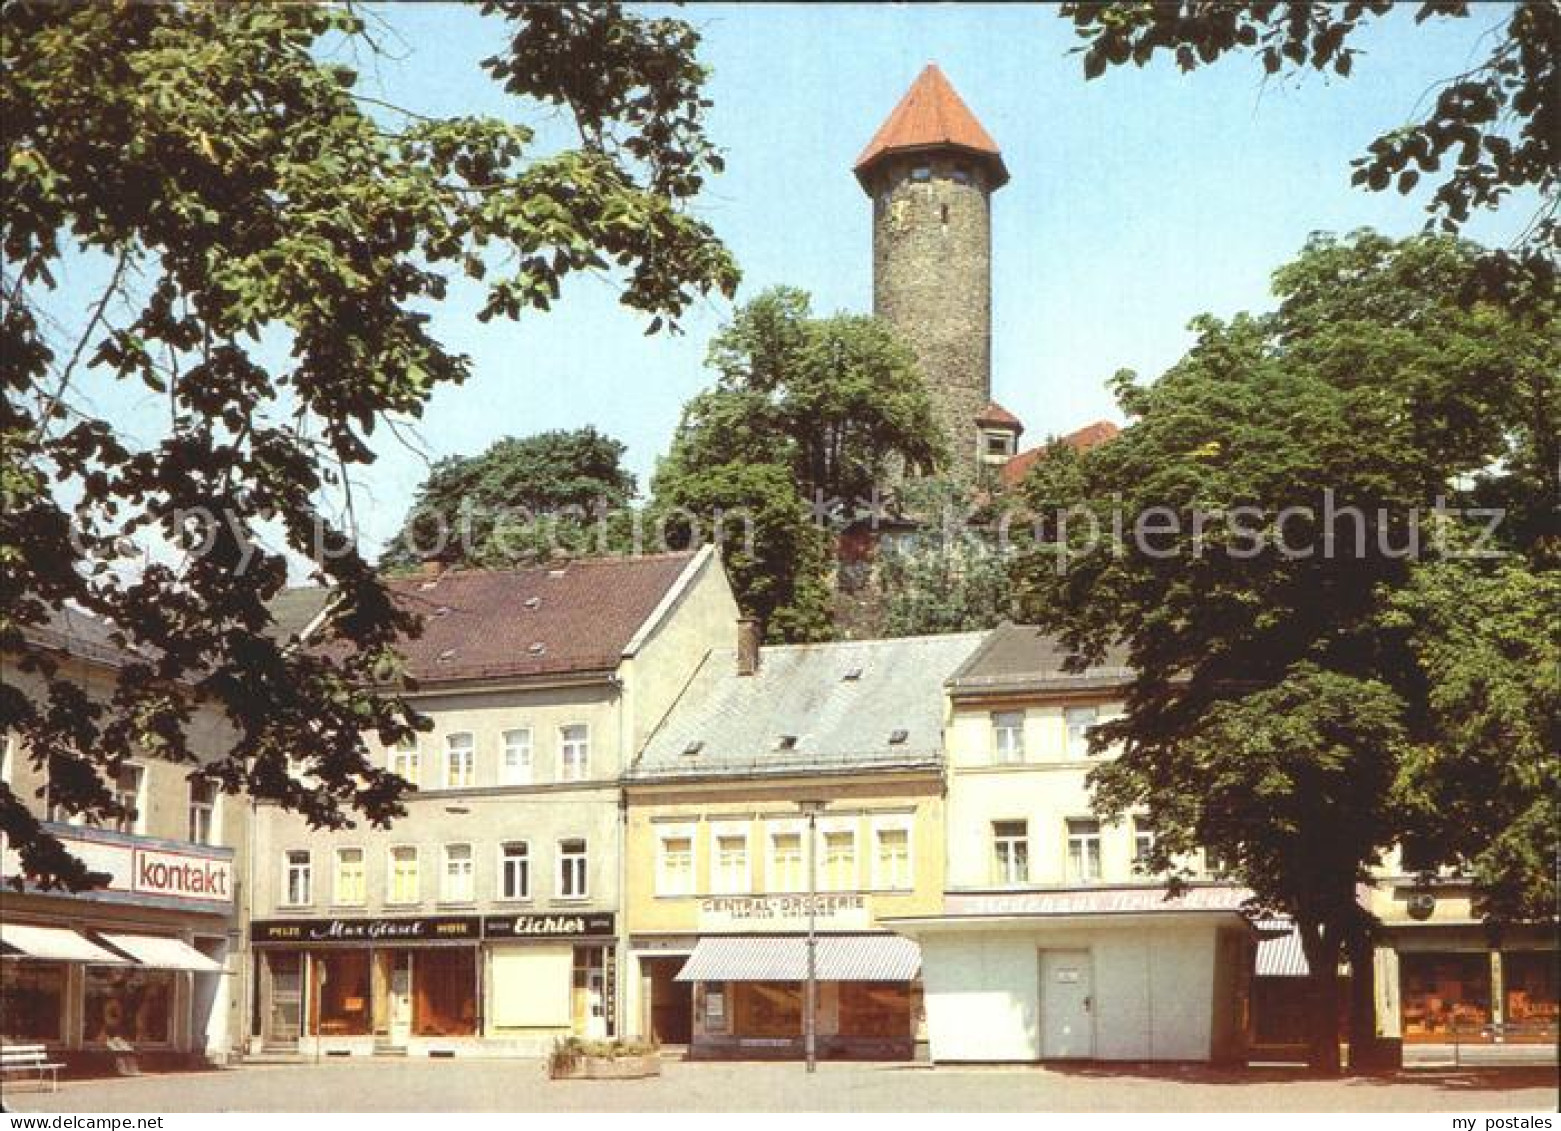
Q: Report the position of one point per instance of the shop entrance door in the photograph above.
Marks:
(588, 998)
(401, 998)
(671, 1001)
(1067, 1005)
(286, 1015)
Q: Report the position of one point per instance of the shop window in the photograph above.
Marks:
(203, 812)
(517, 757)
(786, 866)
(767, 1009)
(342, 981)
(515, 870)
(1008, 736)
(675, 864)
(405, 761)
(574, 752)
(1083, 852)
(1011, 852)
(129, 784)
(350, 885)
(892, 859)
(457, 885)
(839, 860)
(297, 877)
(129, 1004)
(875, 1009)
(1530, 980)
(731, 863)
(1079, 721)
(588, 997)
(1444, 994)
(460, 762)
(571, 869)
(32, 1001)
(404, 879)
(444, 993)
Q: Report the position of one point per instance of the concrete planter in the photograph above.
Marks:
(607, 1068)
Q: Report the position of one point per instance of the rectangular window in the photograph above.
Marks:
(350, 886)
(128, 785)
(297, 877)
(203, 812)
(515, 870)
(574, 752)
(516, 767)
(839, 871)
(460, 762)
(131, 1004)
(731, 863)
(787, 870)
(1079, 721)
(892, 859)
(1008, 736)
(405, 761)
(32, 1000)
(1011, 852)
(404, 880)
(1143, 840)
(571, 869)
(7, 743)
(456, 885)
(1083, 852)
(675, 864)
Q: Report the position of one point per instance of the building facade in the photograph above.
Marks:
(147, 961)
(487, 919)
(1049, 944)
(789, 783)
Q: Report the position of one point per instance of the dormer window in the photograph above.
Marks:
(998, 443)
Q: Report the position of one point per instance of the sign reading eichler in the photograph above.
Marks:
(146, 870)
(841, 911)
(421, 929)
(1096, 901)
(584, 924)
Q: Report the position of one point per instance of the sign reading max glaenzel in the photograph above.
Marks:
(442, 928)
(584, 924)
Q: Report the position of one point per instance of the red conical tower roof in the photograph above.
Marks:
(931, 116)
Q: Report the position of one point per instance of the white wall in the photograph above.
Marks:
(1153, 990)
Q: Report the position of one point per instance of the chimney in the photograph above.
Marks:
(747, 645)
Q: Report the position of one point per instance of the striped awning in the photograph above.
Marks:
(163, 953)
(1279, 953)
(784, 958)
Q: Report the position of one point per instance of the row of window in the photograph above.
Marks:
(517, 758)
(1008, 734)
(731, 863)
(1011, 850)
(129, 790)
(457, 874)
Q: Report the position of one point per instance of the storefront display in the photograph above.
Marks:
(1445, 995)
(32, 1001)
(767, 1009)
(129, 1004)
(444, 992)
(343, 998)
(1529, 978)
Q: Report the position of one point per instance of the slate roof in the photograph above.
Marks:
(842, 703)
(1090, 436)
(294, 610)
(80, 634)
(931, 115)
(1020, 658)
(556, 619)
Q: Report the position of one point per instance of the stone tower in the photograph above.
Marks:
(931, 170)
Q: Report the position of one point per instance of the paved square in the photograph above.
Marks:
(522, 1085)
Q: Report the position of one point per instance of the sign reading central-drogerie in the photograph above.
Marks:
(832, 911)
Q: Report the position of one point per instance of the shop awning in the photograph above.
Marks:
(1279, 953)
(784, 958)
(56, 944)
(163, 953)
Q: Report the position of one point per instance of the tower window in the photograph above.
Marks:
(921, 173)
(943, 213)
(961, 175)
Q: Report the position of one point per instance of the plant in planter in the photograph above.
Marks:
(576, 1059)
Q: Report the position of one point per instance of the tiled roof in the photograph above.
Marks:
(851, 706)
(1090, 436)
(84, 636)
(931, 115)
(996, 414)
(575, 616)
(1019, 658)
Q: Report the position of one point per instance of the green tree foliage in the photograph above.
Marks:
(832, 406)
(1285, 713)
(951, 575)
(1492, 130)
(557, 493)
(270, 240)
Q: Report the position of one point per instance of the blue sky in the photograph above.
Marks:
(1137, 201)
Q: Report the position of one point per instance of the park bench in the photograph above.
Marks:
(34, 1059)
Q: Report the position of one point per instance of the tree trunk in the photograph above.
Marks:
(1363, 1003)
(1322, 998)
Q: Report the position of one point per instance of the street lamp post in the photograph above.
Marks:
(810, 998)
